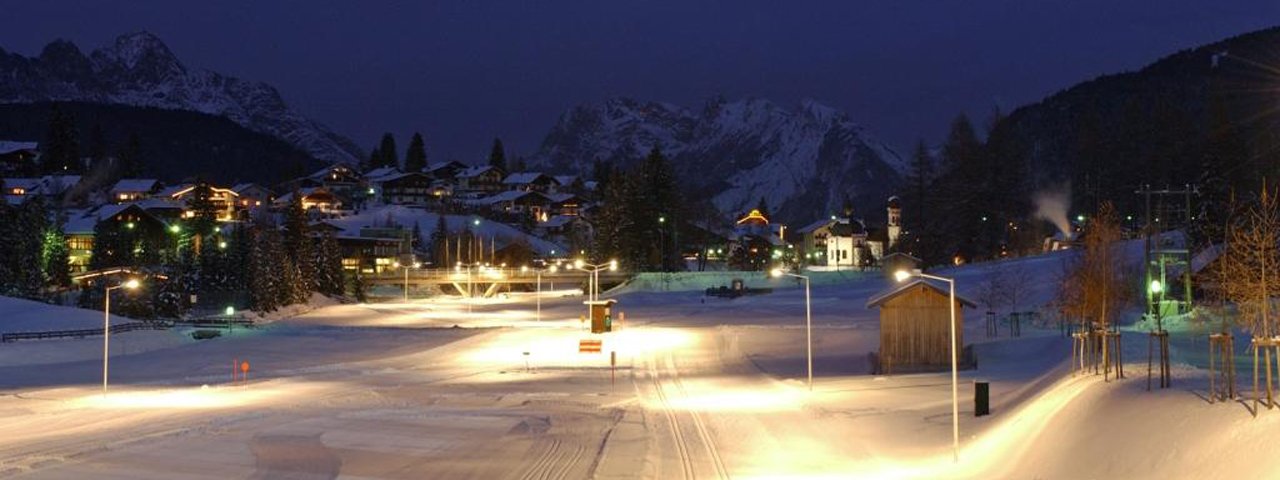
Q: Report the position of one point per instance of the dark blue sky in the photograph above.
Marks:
(464, 72)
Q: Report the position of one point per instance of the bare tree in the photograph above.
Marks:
(1249, 265)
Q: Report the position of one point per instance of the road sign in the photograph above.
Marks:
(589, 346)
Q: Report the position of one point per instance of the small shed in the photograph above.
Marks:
(601, 315)
(914, 328)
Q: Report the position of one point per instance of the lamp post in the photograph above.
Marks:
(594, 286)
(662, 242)
(808, 319)
(538, 296)
(903, 275)
(406, 276)
(130, 284)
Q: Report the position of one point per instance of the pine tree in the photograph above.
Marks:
(204, 213)
(57, 268)
(415, 159)
(298, 245)
(267, 290)
(520, 165)
(358, 288)
(374, 160)
(97, 147)
(918, 180)
(329, 262)
(130, 157)
(60, 151)
(659, 205)
(497, 155)
(387, 148)
(439, 239)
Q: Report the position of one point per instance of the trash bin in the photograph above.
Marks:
(981, 398)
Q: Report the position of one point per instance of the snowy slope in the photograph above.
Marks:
(18, 315)
(139, 70)
(804, 160)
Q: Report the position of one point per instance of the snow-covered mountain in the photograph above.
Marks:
(139, 70)
(805, 161)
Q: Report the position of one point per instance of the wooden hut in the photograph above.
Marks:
(914, 328)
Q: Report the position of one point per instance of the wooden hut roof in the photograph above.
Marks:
(879, 299)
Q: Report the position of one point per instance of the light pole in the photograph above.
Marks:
(538, 295)
(662, 242)
(406, 277)
(130, 284)
(808, 320)
(594, 285)
(903, 275)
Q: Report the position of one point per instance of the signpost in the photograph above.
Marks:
(587, 345)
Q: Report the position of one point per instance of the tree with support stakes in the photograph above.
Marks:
(1248, 279)
(1096, 285)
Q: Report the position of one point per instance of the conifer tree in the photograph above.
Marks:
(57, 268)
(358, 288)
(329, 263)
(298, 245)
(387, 148)
(271, 275)
(415, 159)
(60, 151)
(439, 237)
(130, 157)
(97, 147)
(497, 155)
(374, 160)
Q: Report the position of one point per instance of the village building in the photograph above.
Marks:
(17, 158)
(224, 200)
(404, 188)
(133, 189)
(253, 195)
(915, 327)
(481, 180)
(81, 227)
(531, 182)
(317, 198)
(447, 171)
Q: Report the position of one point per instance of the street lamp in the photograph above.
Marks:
(593, 286)
(662, 242)
(538, 296)
(131, 284)
(808, 319)
(903, 275)
(406, 277)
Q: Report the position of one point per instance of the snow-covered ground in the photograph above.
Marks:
(702, 388)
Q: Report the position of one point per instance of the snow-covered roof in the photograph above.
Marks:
(288, 197)
(812, 227)
(559, 197)
(525, 178)
(504, 234)
(10, 146)
(904, 287)
(160, 203)
(243, 187)
(324, 172)
(173, 189)
(507, 196)
(28, 184)
(565, 179)
(476, 171)
(135, 185)
(441, 166)
(377, 173)
(396, 176)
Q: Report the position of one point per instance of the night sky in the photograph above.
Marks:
(463, 72)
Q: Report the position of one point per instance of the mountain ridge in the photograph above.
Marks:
(138, 69)
(807, 160)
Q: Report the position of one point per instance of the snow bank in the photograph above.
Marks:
(317, 301)
(18, 315)
(698, 281)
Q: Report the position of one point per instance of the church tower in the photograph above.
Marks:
(895, 221)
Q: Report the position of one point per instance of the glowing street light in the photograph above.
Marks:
(903, 275)
(1156, 287)
(593, 288)
(130, 284)
(406, 277)
(808, 319)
